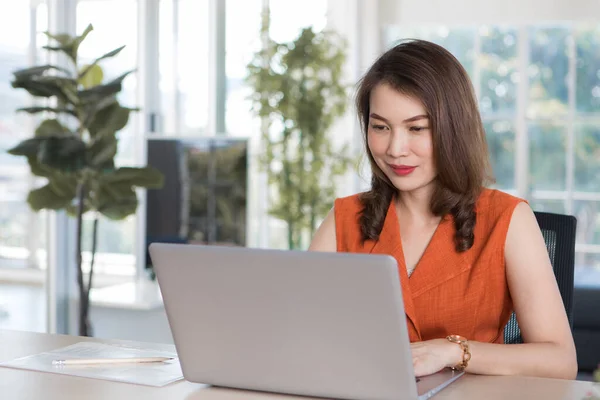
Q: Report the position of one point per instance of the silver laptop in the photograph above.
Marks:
(303, 323)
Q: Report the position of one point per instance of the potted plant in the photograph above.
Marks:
(75, 144)
(298, 93)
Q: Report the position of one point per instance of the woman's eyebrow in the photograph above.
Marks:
(411, 119)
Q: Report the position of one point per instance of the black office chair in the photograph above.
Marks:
(559, 233)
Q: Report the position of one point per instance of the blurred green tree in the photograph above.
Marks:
(298, 94)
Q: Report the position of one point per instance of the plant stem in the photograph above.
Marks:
(83, 293)
(313, 216)
(290, 235)
(90, 277)
(94, 243)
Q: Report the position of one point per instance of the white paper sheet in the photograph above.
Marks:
(150, 374)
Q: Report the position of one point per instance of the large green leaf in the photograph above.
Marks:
(46, 198)
(37, 71)
(40, 89)
(57, 110)
(52, 127)
(91, 109)
(38, 169)
(102, 150)
(116, 191)
(116, 201)
(91, 76)
(68, 44)
(62, 153)
(79, 39)
(64, 185)
(60, 81)
(48, 86)
(97, 93)
(27, 148)
(148, 177)
(109, 120)
(120, 210)
(65, 49)
(63, 39)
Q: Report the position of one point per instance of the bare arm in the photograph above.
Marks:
(548, 349)
(324, 239)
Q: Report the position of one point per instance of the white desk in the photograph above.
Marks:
(29, 385)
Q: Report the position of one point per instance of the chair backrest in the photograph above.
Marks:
(559, 234)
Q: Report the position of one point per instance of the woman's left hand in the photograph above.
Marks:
(434, 355)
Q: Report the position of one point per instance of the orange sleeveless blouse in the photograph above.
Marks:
(448, 292)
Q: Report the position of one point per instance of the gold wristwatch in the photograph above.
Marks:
(464, 345)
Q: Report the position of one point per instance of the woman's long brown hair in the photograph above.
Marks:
(431, 74)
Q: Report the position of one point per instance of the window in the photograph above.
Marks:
(21, 230)
(552, 73)
(115, 246)
(183, 66)
(242, 41)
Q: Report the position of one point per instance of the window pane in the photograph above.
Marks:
(106, 16)
(17, 221)
(548, 69)
(13, 230)
(18, 246)
(242, 41)
(587, 157)
(501, 143)
(183, 65)
(498, 65)
(547, 156)
(587, 39)
(288, 18)
(588, 221)
(551, 206)
(460, 41)
(14, 49)
(113, 236)
(587, 260)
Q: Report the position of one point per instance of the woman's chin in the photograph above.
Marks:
(408, 184)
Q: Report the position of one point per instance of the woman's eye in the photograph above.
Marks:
(378, 127)
(418, 128)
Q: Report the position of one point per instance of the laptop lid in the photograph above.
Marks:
(306, 323)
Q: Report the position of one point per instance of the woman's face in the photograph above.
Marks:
(399, 138)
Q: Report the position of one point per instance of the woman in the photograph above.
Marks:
(468, 256)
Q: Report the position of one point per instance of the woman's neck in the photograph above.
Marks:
(415, 205)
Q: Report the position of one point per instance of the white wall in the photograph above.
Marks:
(487, 11)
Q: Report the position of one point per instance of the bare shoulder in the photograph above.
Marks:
(523, 228)
(340, 227)
(324, 238)
(524, 240)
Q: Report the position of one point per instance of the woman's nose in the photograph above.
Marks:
(399, 144)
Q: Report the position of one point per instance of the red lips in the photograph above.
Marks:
(402, 170)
